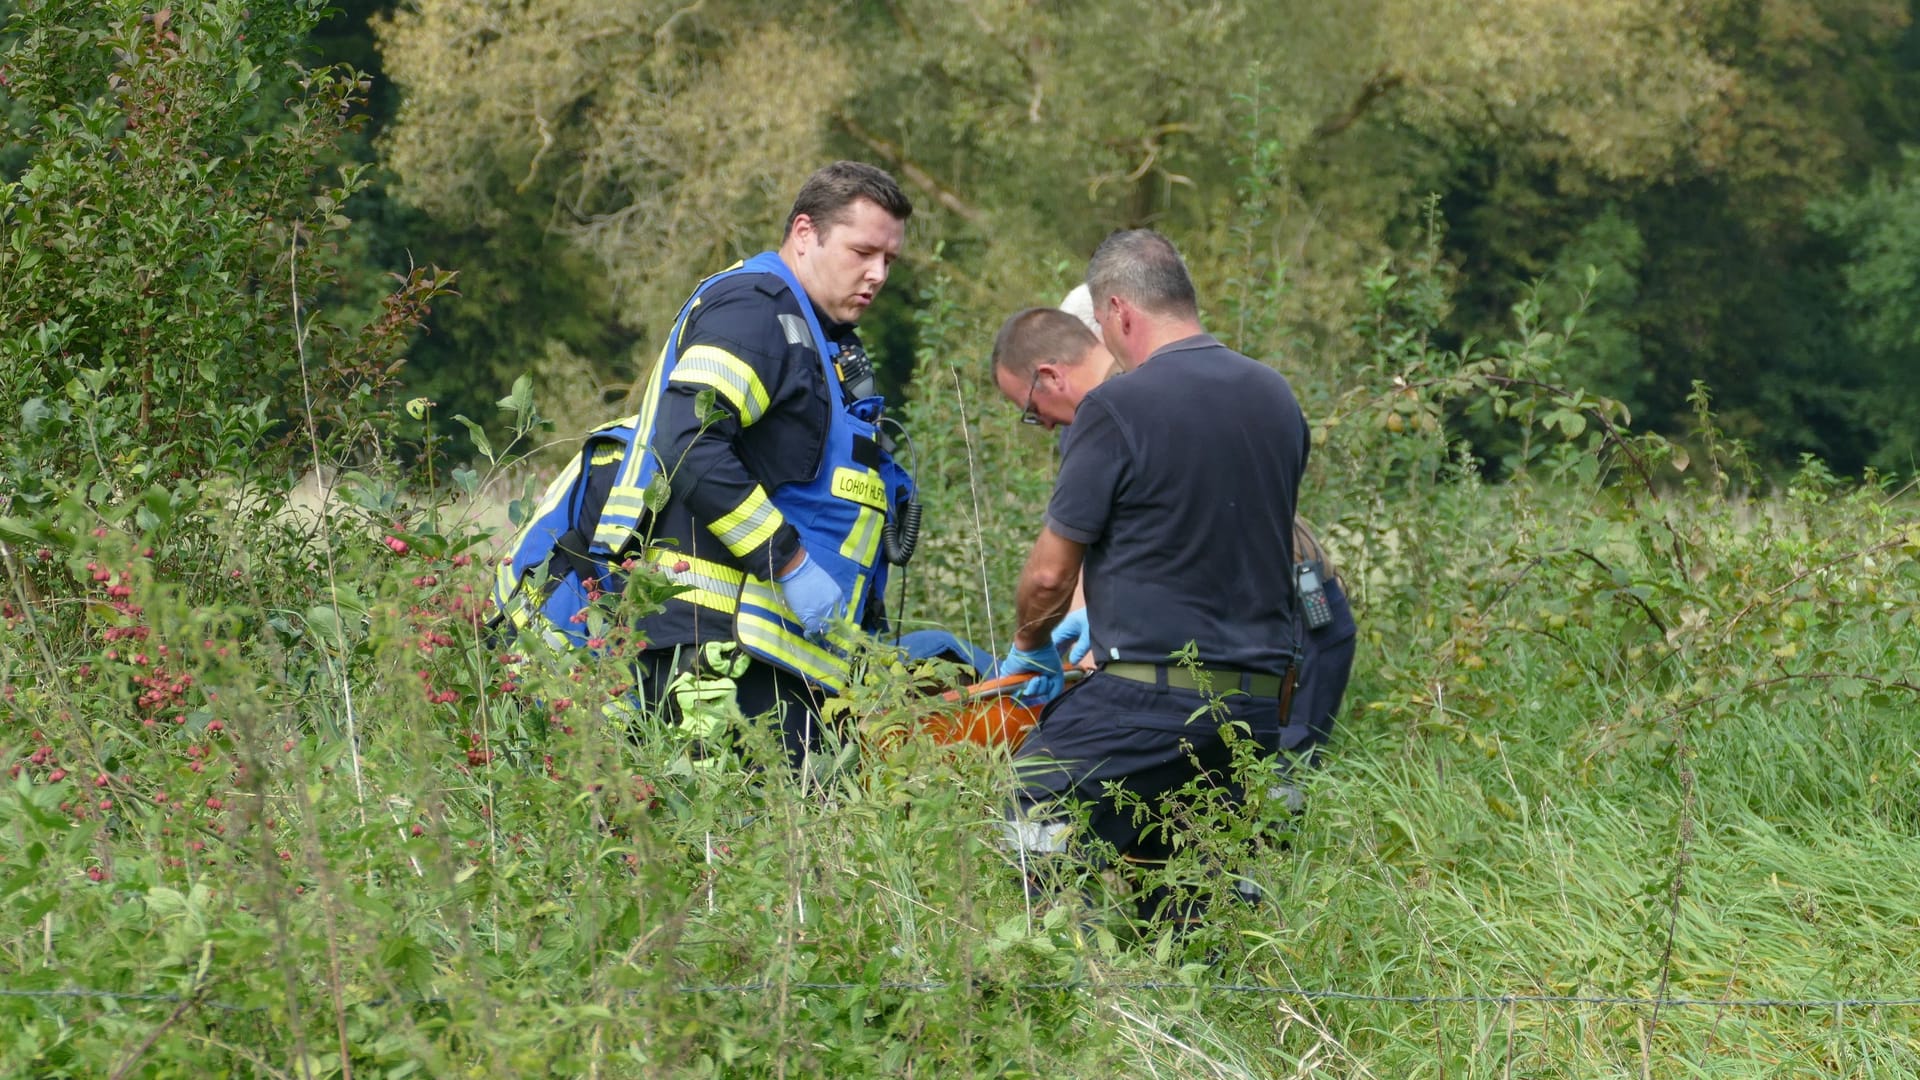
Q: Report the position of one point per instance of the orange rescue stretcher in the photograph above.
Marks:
(987, 713)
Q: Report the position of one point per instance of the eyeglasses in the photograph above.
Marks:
(1030, 415)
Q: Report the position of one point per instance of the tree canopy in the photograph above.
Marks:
(1676, 149)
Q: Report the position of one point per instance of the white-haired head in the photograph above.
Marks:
(1079, 304)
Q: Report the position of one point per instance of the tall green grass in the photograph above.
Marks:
(1625, 784)
(1594, 750)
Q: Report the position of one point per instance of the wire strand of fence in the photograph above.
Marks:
(1113, 987)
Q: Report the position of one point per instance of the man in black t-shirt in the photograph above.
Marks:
(1176, 493)
(1056, 353)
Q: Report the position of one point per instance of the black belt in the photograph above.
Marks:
(1219, 679)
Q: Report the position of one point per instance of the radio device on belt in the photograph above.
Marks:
(1313, 594)
(1315, 612)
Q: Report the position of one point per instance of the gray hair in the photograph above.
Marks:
(1141, 267)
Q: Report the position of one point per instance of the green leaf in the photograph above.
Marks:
(17, 531)
(324, 623)
(45, 904)
(479, 437)
(520, 400)
(658, 492)
(162, 901)
(19, 881)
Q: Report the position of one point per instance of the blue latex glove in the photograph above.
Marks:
(1072, 636)
(1044, 662)
(813, 595)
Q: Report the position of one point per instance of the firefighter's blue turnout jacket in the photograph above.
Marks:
(744, 451)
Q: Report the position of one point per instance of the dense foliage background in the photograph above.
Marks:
(1735, 170)
(1603, 314)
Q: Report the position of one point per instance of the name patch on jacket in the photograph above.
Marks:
(865, 488)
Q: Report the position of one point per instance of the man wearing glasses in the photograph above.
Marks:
(1176, 493)
(1045, 360)
(1066, 364)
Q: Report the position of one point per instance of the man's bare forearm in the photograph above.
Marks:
(1046, 589)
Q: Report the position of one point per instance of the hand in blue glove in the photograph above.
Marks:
(1044, 662)
(813, 595)
(1072, 636)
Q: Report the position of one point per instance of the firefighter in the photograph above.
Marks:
(756, 476)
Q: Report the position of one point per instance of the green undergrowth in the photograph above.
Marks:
(1625, 784)
(1631, 749)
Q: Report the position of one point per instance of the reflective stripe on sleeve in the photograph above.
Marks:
(728, 375)
(748, 525)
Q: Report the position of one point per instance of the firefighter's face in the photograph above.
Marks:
(843, 267)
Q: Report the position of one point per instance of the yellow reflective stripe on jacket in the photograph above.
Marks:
(769, 639)
(525, 618)
(649, 411)
(626, 503)
(863, 540)
(749, 525)
(504, 583)
(728, 375)
(709, 584)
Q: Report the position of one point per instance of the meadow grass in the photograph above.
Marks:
(1553, 800)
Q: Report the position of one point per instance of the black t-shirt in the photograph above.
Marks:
(1181, 480)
